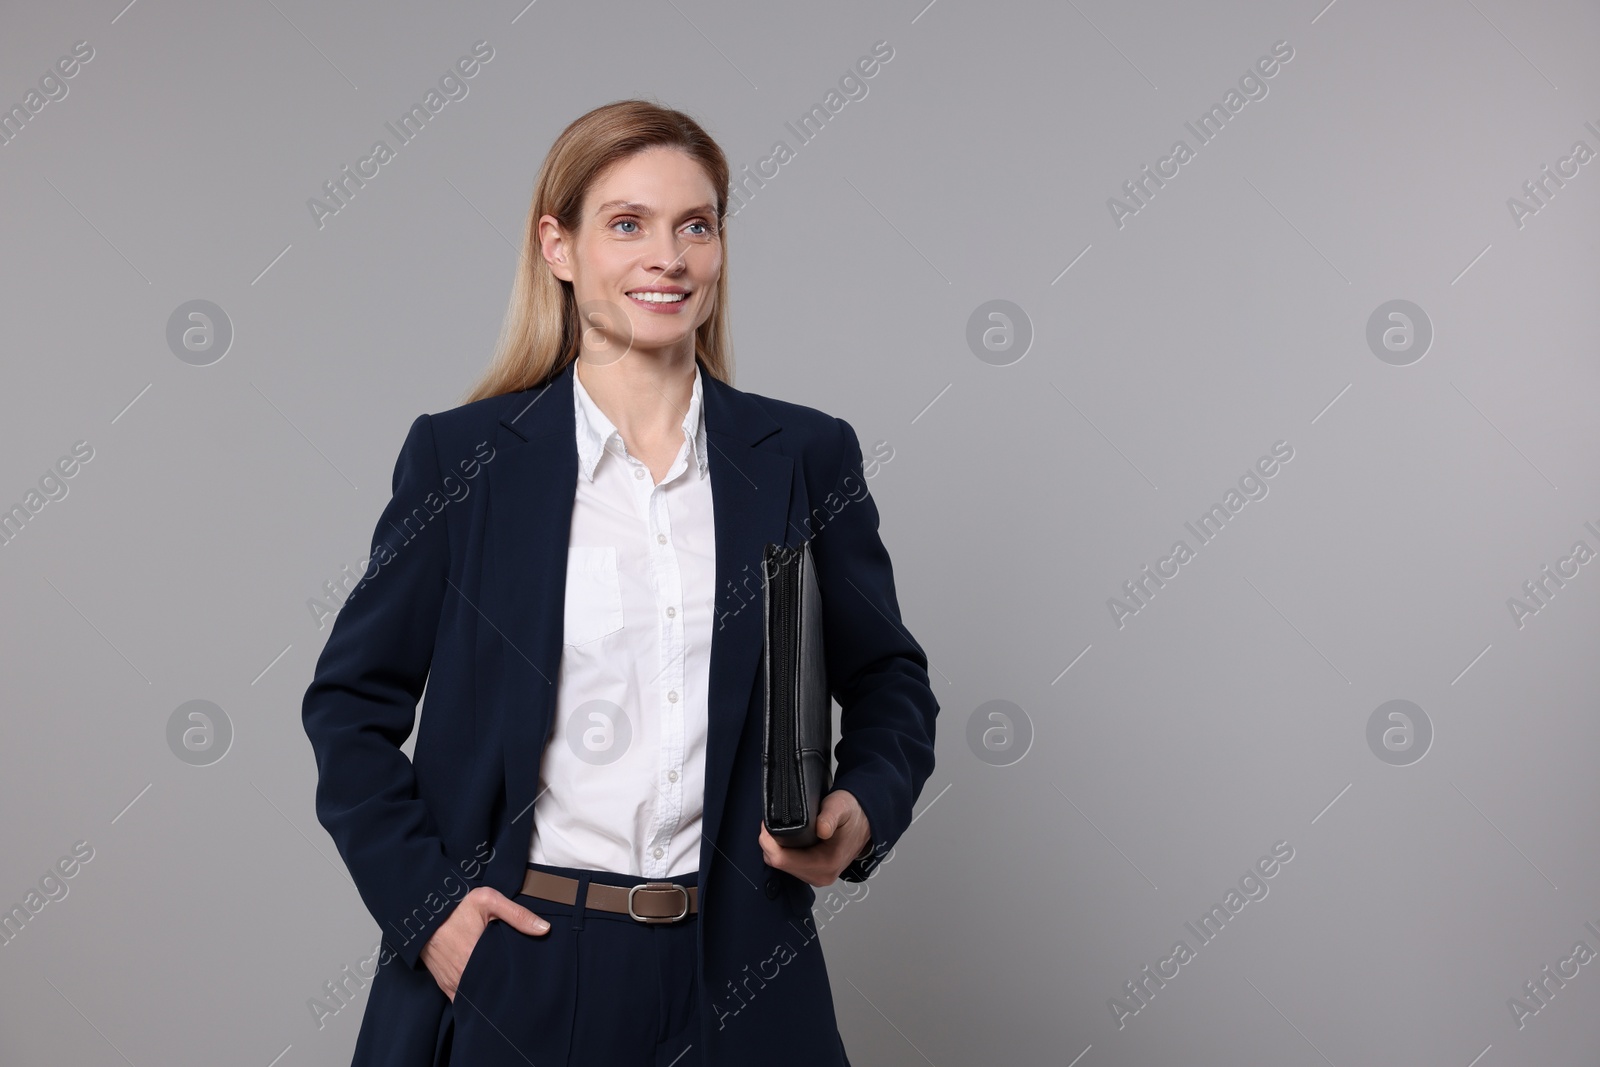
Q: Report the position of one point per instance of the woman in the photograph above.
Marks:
(572, 867)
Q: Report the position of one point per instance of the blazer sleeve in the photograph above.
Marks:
(876, 670)
(361, 707)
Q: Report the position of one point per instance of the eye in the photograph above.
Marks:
(626, 222)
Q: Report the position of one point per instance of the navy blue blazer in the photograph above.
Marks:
(464, 594)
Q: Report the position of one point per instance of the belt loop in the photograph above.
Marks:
(580, 901)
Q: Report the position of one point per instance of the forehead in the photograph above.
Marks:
(656, 179)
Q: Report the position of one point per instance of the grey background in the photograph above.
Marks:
(1228, 314)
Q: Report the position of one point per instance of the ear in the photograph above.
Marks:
(553, 246)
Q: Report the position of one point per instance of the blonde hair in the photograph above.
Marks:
(539, 335)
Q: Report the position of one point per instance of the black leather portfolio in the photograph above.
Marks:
(797, 757)
(797, 753)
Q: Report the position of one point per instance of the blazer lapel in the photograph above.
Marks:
(531, 487)
(532, 482)
(750, 487)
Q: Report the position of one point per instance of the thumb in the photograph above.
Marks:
(834, 812)
(514, 914)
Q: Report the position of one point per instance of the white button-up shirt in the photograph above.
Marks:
(622, 780)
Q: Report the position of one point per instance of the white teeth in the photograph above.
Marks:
(659, 298)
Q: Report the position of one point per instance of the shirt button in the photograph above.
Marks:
(661, 539)
(638, 473)
(657, 851)
(672, 613)
(672, 696)
(672, 776)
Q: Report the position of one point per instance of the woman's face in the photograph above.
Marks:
(648, 223)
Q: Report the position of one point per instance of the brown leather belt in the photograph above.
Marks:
(650, 902)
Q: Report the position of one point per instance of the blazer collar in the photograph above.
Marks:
(545, 409)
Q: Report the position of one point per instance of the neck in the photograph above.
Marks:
(645, 394)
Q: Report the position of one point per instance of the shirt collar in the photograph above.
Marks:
(596, 433)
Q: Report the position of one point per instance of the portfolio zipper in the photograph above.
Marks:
(785, 588)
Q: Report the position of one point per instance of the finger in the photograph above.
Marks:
(519, 917)
(770, 849)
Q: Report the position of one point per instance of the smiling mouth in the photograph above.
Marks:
(659, 298)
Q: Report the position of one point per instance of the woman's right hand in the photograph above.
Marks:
(447, 950)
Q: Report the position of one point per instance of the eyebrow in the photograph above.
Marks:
(647, 210)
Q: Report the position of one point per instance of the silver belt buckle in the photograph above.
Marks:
(658, 918)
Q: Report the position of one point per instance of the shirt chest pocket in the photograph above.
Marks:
(594, 595)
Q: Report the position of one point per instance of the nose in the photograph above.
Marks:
(669, 254)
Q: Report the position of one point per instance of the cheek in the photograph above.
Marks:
(707, 274)
(708, 265)
(603, 266)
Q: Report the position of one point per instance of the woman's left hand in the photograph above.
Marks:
(844, 833)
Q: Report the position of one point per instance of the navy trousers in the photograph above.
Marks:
(599, 988)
